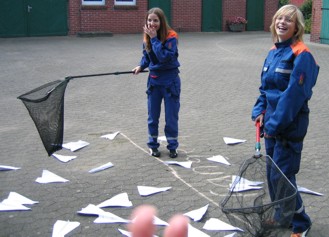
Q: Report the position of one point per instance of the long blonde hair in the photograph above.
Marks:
(163, 30)
(294, 13)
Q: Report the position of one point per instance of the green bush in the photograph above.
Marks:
(306, 9)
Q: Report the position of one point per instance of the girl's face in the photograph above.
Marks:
(285, 27)
(153, 22)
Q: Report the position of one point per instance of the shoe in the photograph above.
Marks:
(304, 234)
(155, 152)
(173, 154)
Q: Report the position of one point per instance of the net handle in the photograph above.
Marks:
(257, 145)
(101, 74)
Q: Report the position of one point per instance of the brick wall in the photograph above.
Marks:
(186, 15)
(316, 20)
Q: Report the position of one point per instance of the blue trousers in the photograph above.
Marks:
(287, 156)
(170, 94)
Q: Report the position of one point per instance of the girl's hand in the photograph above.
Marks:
(137, 70)
(150, 31)
(259, 119)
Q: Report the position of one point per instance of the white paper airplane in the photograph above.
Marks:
(232, 141)
(7, 167)
(110, 136)
(108, 217)
(49, 177)
(91, 209)
(162, 139)
(185, 164)
(74, 146)
(120, 200)
(241, 180)
(102, 167)
(194, 232)
(146, 190)
(128, 234)
(16, 202)
(216, 224)
(63, 158)
(61, 228)
(219, 159)
(305, 190)
(197, 214)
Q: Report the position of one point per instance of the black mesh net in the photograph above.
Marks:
(46, 108)
(257, 210)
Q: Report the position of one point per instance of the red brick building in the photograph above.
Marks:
(186, 16)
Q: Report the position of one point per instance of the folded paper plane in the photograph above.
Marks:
(185, 164)
(120, 200)
(102, 167)
(232, 141)
(197, 214)
(219, 159)
(49, 177)
(74, 146)
(63, 158)
(216, 224)
(61, 228)
(146, 190)
(110, 136)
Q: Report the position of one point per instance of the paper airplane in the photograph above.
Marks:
(7, 167)
(61, 228)
(146, 190)
(120, 200)
(63, 158)
(230, 235)
(100, 168)
(128, 234)
(241, 180)
(159, 222)
(216, 224)
(197, 214)
(219, 159)
(185, 164)
(15, 202)
(194, 232)
(162, 139)
(232, 141)
(110, 136)
(305, 190)
(108, 217)
(91, 209)
(74, 146)
(49, 177)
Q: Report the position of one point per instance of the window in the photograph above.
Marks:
(93, 2)
(125, 2)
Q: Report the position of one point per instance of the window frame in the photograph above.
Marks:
(93, 2)
(125, 3)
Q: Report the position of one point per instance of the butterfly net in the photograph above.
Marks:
(251, 206)
(46, 108)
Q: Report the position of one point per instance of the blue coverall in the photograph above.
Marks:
(163, 84)
(288, 75)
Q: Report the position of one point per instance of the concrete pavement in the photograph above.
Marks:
(220, 77)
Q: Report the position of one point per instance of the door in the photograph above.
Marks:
(255, 15)
(324, 36)
(33, 18)
(165, 5)
(211, 15)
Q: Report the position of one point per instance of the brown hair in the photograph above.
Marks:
(163, 30)
(294, 13)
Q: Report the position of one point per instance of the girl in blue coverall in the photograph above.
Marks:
(160, 55)
(289, 73)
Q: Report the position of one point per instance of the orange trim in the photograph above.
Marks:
(299, 48)
(172, 34)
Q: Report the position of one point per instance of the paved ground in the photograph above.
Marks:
(220, 78)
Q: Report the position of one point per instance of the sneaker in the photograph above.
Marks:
(173, 153)
(304, 234)
(155, 152)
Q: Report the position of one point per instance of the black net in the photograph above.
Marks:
(46, 107)
(257, 206)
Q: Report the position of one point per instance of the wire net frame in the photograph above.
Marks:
(45, 105)
(260, 212)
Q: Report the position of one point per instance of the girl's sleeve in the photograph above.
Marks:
(164, 52)
(299, 90)
(260, 105)
(145, 61)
